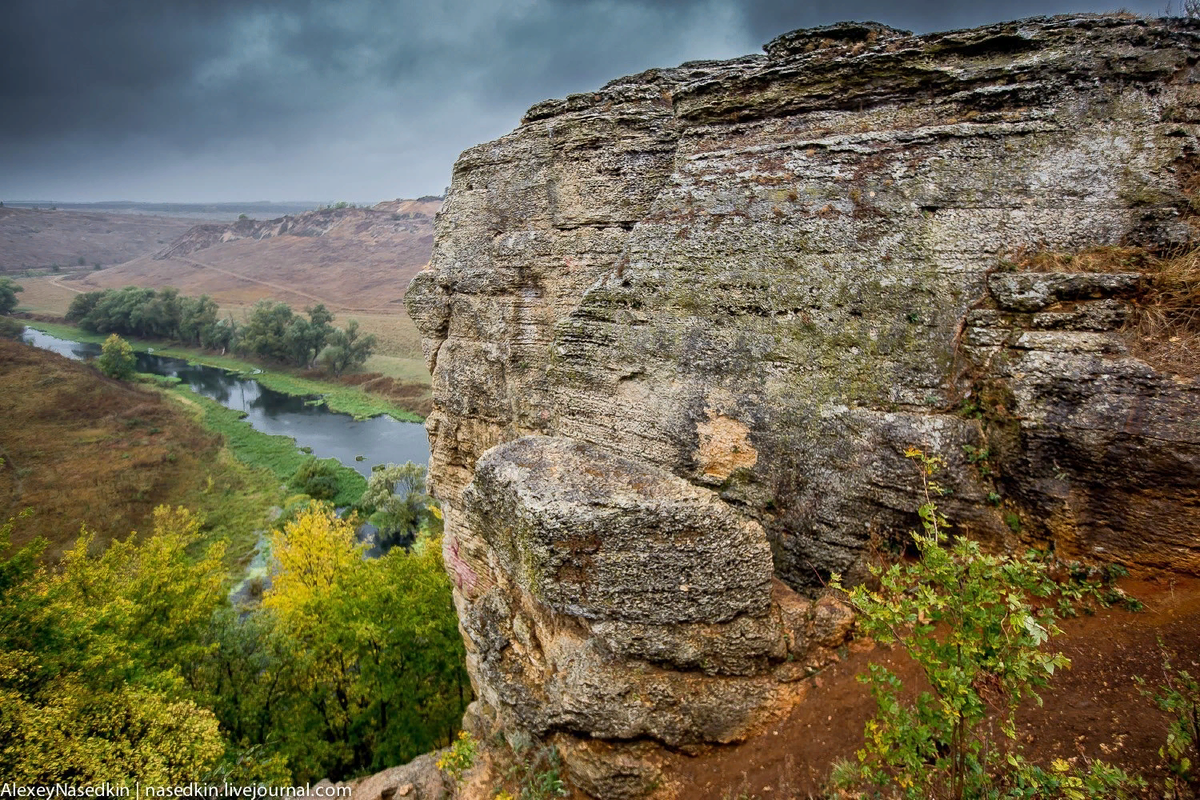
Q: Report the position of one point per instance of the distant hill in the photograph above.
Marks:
(38, 239)
(220, 212)
(348, 258)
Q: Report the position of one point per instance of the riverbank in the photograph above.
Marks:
(277, 455)
(347, 399)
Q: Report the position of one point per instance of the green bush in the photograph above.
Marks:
(975, 625)
(11, 328)
(117, 359)
(8, 295)
(317, 478)
(1179, 696)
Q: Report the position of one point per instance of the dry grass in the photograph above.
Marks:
(1164, 329)
(79, 448)
(1093, 259)
(412, 396)
(43, 296)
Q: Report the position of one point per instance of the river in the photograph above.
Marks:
(328, 434)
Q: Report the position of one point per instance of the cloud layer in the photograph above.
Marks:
(203, 100)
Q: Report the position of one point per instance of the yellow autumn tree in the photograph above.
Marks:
(379, 660)
(94, 659)
(312, 554)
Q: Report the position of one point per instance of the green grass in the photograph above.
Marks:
(277, 455)
(345, 399)
(235, 501)
(409, 370)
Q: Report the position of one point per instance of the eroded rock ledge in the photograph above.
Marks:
(683, 329)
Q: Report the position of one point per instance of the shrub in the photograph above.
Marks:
(8, 295)
(11, 328)
(317, 478)
(1179, 696)
(975, 625)
(459, 757)
(117, 359)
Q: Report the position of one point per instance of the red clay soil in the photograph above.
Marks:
(1093, 710)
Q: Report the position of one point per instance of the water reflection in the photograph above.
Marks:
(329, 435)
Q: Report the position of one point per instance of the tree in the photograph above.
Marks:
(396, 497)
(8, 295)
(303, 338)
(92, 659)
(263, 334)
(196, 314)
(117, 359)
(346, 350)
(82, 305)
(317, 478)
(377, 658)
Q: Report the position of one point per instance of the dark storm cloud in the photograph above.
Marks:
(768, 18)
(208, 99)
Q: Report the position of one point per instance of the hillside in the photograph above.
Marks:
(39, 238)
(80, 448)
(348, 258)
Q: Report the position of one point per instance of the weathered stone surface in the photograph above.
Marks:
(419, 779)
(616, 771)
(1034, 291)
(738, 292)
(592, 534)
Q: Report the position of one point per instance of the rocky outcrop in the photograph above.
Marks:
(375, 225)
(683, 329)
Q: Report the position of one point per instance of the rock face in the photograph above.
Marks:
(683, 329)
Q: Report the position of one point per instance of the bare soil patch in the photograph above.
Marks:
(1093, 710)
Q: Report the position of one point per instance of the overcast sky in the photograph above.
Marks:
(359, 100)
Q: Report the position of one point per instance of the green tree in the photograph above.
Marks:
(317, 478)
(196, 315)
(971, 623)
(265, 331)
(396, 499)
(82, 305)
(8, 295)
(346, 349)
(375, 688)
(117, 359)
(303, 338)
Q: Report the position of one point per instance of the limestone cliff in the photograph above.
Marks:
(683, 329)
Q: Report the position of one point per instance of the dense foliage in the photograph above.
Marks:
(347, 349)
(8, 295)
(397, 500)
(132, 664)
(272, 331)
(92, 659)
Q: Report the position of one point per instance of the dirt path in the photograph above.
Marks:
(1092, 711)
(277, 287)
(56, 282)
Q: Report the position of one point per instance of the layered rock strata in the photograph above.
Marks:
(683, 329)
